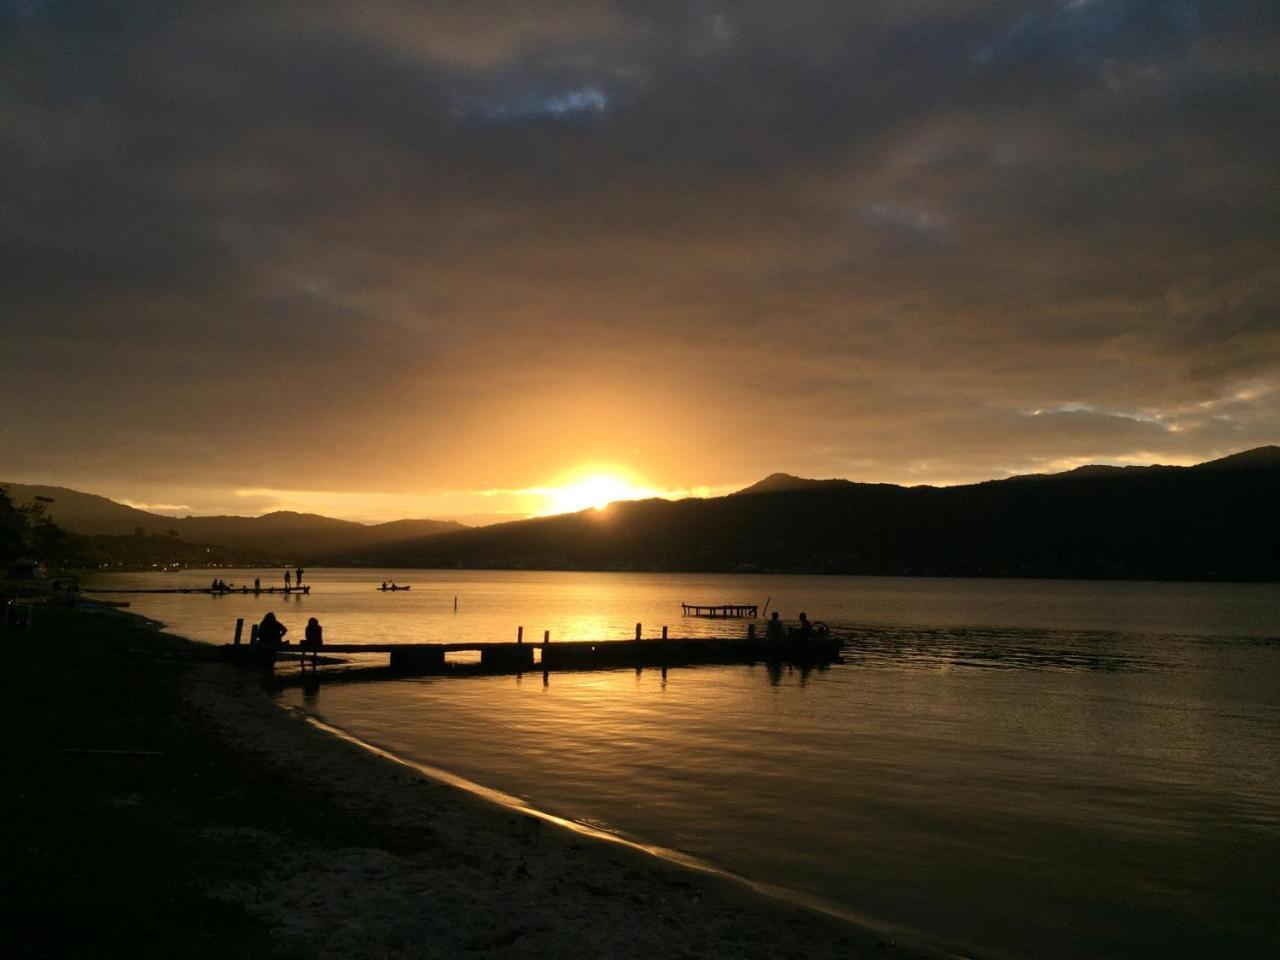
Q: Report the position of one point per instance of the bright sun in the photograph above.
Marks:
(593, 487)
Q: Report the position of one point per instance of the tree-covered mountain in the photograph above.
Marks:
(1215, 521)
(284, 535)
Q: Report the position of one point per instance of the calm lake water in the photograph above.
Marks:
(1010, 768)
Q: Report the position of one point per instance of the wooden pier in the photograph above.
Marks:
(431, 659)
(721, 611)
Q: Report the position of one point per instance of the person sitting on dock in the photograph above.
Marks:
(314, 635)
(775, 631)
(271, 631)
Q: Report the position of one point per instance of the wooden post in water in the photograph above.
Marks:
(253, 633)
(455, 604)
(664, 632)
(637, 631)
(546, 637)
(239, 630)
(519, 634)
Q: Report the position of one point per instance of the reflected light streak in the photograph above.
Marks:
(507, 801)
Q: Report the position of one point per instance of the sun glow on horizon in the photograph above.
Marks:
(593, 487)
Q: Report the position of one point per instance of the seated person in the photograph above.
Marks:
(775, 631)
(314, 635)
(805, 630)
(271, 631)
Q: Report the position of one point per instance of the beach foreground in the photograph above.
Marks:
(160, 804)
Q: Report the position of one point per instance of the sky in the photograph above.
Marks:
(386, 259)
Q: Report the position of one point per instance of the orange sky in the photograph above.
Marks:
(385, 259)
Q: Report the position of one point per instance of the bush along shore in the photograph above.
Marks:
(158, 803)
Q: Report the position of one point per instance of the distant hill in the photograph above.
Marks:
(786, 483)
(1215, 521)
(1264, 457)
(284, 535)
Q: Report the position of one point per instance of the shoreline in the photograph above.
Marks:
(302, 842)
(505, 802)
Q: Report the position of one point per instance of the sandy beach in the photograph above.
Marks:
(161, 804)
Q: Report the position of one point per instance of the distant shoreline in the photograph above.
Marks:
(493, 568)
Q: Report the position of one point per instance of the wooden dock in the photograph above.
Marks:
(721, 611)
(431, 659)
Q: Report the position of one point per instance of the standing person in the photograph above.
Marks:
(257, 584)
(288, 579)
(297, 578)
(314, 635)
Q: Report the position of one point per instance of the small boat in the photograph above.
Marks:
(394, 587)
(820, 644)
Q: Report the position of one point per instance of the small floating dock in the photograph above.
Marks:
(721, 611)
(206, 590)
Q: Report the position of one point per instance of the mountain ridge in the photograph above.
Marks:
(278, 533)
(1212, 521)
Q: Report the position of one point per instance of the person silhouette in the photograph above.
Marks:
(314, 635)
(257, 584)
(776, 630)
(805, 630)
(288, 579)
(297, 577)
(271, 631)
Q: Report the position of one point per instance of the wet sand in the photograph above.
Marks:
(163, 805)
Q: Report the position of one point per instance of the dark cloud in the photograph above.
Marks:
(474, 244)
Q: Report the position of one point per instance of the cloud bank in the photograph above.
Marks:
(403, 248)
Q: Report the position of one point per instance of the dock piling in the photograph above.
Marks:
(519, 634)
(637, 631)
(239, 630)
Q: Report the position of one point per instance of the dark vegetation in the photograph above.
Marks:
(1215, 521)
(101, 849)
(27, 532)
